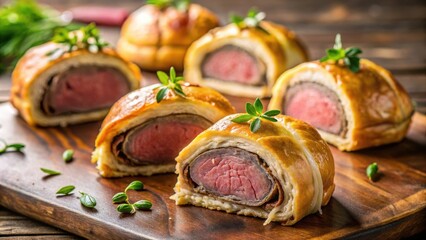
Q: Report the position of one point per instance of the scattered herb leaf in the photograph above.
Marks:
(4, 147)
(50, 171)
(65, 190)
(143, 205)
(68, 155)
(169, 83)
(126, 208)
(255, 112)
(120, 197)
(135, 185)
(87, 200)
(181, 5)
(371, 171)
(252, 19)
(87, 37)
(348, 56)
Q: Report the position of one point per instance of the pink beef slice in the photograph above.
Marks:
(233, 64)
(316, 105)
(232, 174)
(159, 140)
(83, 89)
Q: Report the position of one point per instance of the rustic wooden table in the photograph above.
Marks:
(390, 33)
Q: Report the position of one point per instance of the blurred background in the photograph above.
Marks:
(390, 32)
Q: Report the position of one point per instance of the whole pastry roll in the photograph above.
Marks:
(157, 35)
(59, 84)
(354, 104)
(243, 58)
(282, 172)
(146, 129)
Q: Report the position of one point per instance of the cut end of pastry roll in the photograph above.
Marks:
(157, 39)
(76, 87)
(282, 172)
(243, 62)
(142, 137)
(350, 110)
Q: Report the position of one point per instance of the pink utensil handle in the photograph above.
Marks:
(109, 16)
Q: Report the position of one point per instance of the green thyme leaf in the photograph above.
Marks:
(371, 171)
(119, 197)
(272, 119)
(252, 19)
(258, 105)
(162, 76)
(87, 200)
(254, 113)
(348, 56)
(126, 208)
(251, 109)
(242, 118)
(181, 5)
(169, 82)
(4, 147)
(272, 113)
(255, 125)
(143, 205)
(50, 171)
(135, 185)
(66, 190)
(161, 94)
(68, 155)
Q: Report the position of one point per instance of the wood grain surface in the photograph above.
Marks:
(393, 205)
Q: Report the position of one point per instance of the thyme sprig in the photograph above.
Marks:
(125, 205)
(255, 114)
(170, 83)
(253, 19)
(87, 37)
(348, 56)
(181, 5)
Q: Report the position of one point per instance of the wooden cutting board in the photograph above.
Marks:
(394, 206)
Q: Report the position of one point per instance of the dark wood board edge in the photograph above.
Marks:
(12, 199)
(405, 227)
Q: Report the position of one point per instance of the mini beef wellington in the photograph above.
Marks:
(351, 110)
(72, 87)
(282, 172)
(157, 37)
(142, 137)
(243, 60)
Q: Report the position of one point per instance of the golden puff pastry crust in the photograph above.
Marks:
(275, 46)
(377, 109)
(34, 70)
(157, 39)
(139, 107)
(296, 157)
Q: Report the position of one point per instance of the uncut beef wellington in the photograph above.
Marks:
(354, 103)
(243, 58)
(60, 83)
(282, 172)
(157, 35)
(146, 129)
